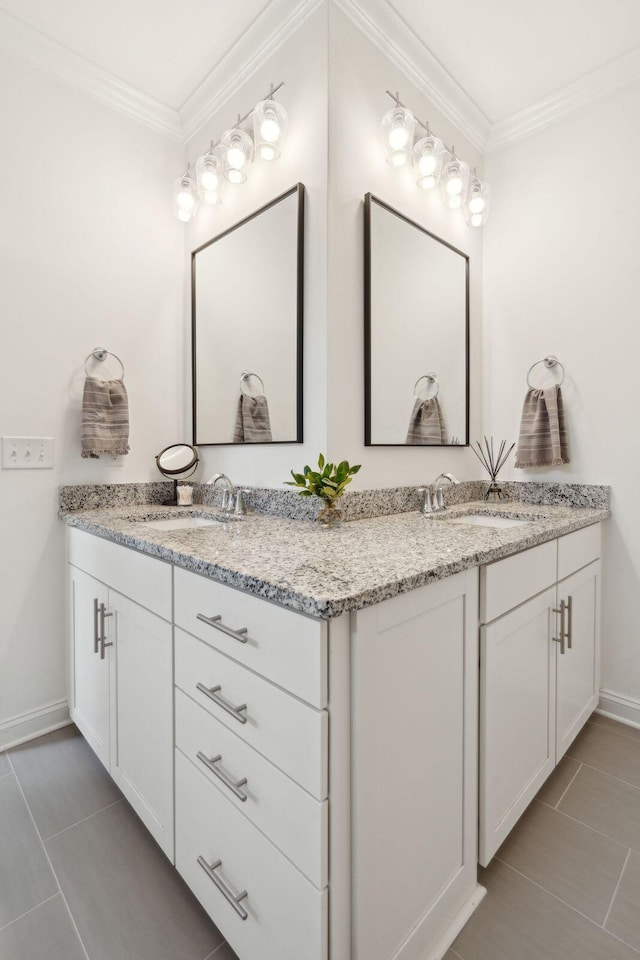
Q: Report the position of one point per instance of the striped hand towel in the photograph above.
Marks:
(105, 418)
(543, 431)
(252, 420)
(426, 425)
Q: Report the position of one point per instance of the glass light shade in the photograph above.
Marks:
(427, 161)
(270, 122)
(397, 128)
(237, 152)
(476, 205)
(454, 181)
(185, 198)
(210, 176)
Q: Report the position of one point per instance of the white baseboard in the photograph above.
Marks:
(620, 708)
(33, 723)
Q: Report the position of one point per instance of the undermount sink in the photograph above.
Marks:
(182, 523)
(484, 520)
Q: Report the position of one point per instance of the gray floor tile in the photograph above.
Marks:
(4, 765)
(601, 747)
(606, 804)
(568, 859)
(46, 933)
(126, 898)
(623, 729)
(558, 782)
(519, 921)
(226, 953)
(624, 919)
(25, 875)
(62, 779)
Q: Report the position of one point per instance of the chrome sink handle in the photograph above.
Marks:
(440, 480)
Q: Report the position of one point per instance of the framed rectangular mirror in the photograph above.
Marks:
(416, 333)
(247, 323)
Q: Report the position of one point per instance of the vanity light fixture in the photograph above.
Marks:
(185, 197)
(476, 206)
(229, 158)
(210, 175)
(397, 126)
(433, 162)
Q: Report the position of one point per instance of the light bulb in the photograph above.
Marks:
(185, 199)
(236, 157)
(454, 186)
(211, 197)
(398, 137)
(184, 215)
(477, 204)
(476, 220)
(426, 183)
(455, 202)
(398, 159)
(427, 164)
(209, 178)
(270, 128)
(235, 176)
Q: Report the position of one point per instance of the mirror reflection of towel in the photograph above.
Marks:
(543, 431)
(426, 424)
(252, 420)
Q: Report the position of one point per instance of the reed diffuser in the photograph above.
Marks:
(493, 464)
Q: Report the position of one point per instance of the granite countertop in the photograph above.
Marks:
(326, 573)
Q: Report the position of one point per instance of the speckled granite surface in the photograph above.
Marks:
(325, 573)
(89, 496)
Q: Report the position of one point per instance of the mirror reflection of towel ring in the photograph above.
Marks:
(431, 377)
(99, 353)
(549, 362)
(243, 379)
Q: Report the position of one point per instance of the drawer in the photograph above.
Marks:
(288, 815)
(509, 582)
(133, 574)
(288, 732)
(576, 550)
(283, 646)
(286, 917)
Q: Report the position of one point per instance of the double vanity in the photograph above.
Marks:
(325, 732)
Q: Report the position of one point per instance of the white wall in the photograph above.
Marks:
(89, 255)
(301, 62)
(359, 76)
(561, 276)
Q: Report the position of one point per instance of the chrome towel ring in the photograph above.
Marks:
(431, 378)
(243, 382)
(549, 362)
(99, 353)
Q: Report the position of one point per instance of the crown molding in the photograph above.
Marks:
(21, 40)
(598, 83)
(388, 31)
(263, 37)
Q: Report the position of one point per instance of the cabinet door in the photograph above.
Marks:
(89, 674)
(517, 710)
(578, 668)
(142, 712)
(414, 785)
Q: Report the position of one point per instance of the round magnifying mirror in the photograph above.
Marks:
(177, 462)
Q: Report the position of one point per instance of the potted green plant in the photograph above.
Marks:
(328, 483)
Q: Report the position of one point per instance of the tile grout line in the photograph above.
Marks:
(568, 785)
(588, 827)
(624, 867)
(84, 819)
(606, 773)
(27, 912)
(568, 905)
(46, 853)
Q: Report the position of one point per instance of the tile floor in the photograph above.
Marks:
(565, 884)
(81, 879)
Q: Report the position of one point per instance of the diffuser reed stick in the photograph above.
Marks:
(493, 464)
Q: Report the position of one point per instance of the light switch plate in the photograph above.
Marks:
(27, 453)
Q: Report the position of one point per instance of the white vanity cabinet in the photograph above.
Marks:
(539, 646)
(121, 669)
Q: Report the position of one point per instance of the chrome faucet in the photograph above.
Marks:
(228, 493)
(438, 497)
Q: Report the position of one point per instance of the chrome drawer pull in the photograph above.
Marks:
(212, 693)
(233, 785)
(561, 638)
(569, 633)
(217, 623)
(231, 898)
(96, 613)
(103, 636)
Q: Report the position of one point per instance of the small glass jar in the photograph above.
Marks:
(329, 515)
(185, 495)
